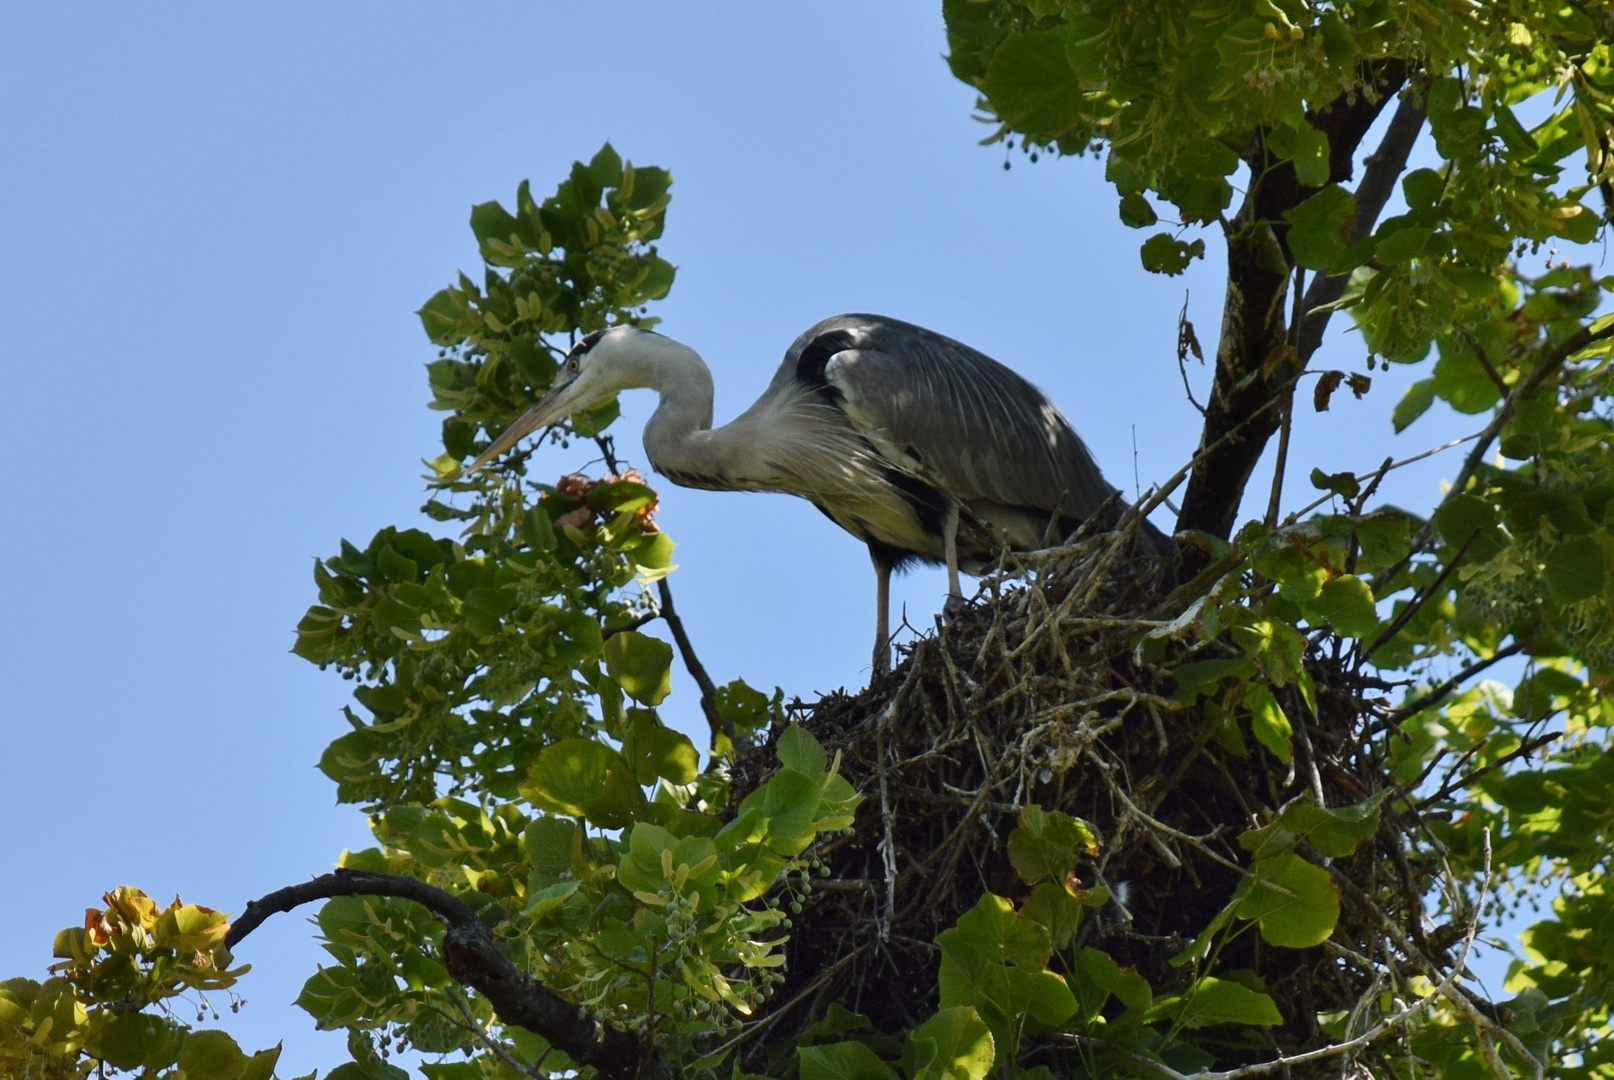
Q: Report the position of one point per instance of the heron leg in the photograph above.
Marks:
(950, 553)
(882, 614)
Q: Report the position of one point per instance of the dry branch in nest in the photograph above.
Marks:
(1033, 694)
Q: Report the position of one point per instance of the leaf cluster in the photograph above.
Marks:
(109, 1001)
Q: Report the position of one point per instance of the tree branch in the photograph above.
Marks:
(1254, 326)
(1439, 693)
(474, 960)
(1522, 750)
(1378, 184)
(697, 671)
(1550, 362)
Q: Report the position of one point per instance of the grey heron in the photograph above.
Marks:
(919, 446)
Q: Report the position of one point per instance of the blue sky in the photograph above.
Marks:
(218, 221)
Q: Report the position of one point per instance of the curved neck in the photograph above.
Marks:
(678, 374)
(679, 439)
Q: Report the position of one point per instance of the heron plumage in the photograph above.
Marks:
(919, 445)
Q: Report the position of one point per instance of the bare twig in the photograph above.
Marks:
(1522, 750)
(1275, 500)
(1187, 342)
(1378, 475)
(697, 671)
(1439, 693)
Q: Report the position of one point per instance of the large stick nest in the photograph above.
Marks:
(1032, 694)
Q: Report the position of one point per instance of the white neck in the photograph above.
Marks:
(679, 439)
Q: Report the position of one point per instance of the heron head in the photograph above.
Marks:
(595, 370)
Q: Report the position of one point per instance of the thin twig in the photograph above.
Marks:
(697, 671)
(1438, 694)
(1552, 359)
(1419, 599)
(1523, 750)
(1187, 342)
(1286, 422)
(1378, 476)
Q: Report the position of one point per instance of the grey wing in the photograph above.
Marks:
(950, 415)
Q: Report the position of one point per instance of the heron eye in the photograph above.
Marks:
(571, 365)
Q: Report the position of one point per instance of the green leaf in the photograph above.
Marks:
(1268, 723)
(619, 496)
(1574, 569)
(1335, 832)
(1347, 603)
(842, 1061)
(789, 803)
(746, 708)
(211, 1055)
(955, 1044)
(1097, 970)
(1136, 213)
(1205, 676)
(1462, 381)
(261, 1066)
(1413, 404)
(1319, 227)
(372, 1069)
(655, 750)
(658, 861)
(484, 608)
(641, 664)
(1385, 536)
(1343, 484)
(1210, 1001)
(1465, 519)
(1276, 646)
(1164, 254)
(132, 1040)
(569, 774)
(996, 960)
(1297, 570)
(798, 750)
(1401, 245)
(1307, 148)
(1031, 84)
(621, 801)
(1053, 907)
(1422, 188)
(1294, 903)
(1044, 844)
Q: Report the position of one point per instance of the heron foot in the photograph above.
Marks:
(954, 606)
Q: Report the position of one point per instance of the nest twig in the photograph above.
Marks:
(1034, 695)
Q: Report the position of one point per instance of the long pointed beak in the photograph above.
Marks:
(551, 407)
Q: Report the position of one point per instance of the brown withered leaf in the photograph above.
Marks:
(1327, 383)
(1187, 340)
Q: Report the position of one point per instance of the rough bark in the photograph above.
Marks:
(1252, 362)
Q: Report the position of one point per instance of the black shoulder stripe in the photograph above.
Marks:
(810, 365)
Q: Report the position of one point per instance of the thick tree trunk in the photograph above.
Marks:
(1254, 369)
